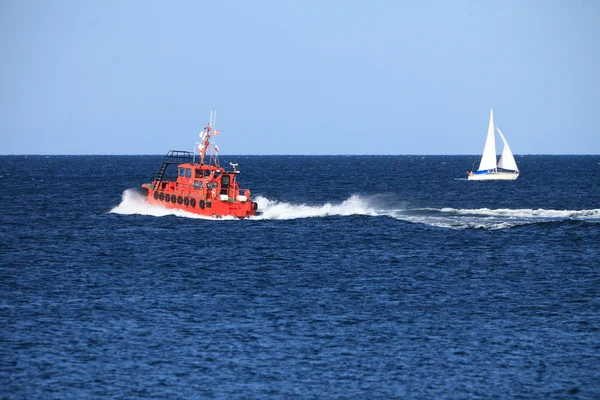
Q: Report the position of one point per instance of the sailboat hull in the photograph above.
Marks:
(493, 175)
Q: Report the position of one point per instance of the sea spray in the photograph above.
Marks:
(483, 218)
(133, 202)
(271, 209)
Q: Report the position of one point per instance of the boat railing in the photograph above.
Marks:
(173, 157)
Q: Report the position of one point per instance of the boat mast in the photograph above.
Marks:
(208, 132)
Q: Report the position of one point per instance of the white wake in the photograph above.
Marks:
(486, 218)
(272, 209)
(134, 203)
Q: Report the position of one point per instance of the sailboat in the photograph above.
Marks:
(506, 167)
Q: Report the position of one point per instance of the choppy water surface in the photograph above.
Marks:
(364, 277)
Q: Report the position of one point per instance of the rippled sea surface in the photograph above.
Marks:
(365, 277)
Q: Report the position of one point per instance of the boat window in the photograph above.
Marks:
(217, 174)
(188, 172)
(206, 173)
(212, 185)
(225, 181)
(198, 173)
(181, 171)
(197, 184)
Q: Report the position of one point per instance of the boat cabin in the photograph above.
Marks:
(210, 182)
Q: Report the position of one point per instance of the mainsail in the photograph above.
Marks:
(488, 159)
(507, 160)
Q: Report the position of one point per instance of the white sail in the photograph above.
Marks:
(507, 160)
(488, 159)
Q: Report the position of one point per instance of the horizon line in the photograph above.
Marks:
(288, 154)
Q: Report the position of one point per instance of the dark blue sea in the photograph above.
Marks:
(366, 277)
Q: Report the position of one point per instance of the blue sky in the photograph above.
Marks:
(305, 77)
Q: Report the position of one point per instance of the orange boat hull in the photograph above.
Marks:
(193, 203)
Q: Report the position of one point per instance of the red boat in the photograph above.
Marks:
(200, 188)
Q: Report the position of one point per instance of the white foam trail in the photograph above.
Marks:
(454, 222)
(491, 218)
(272, 209)
(528, 213)
(134, 203)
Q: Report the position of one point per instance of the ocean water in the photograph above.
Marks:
(372, 277)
